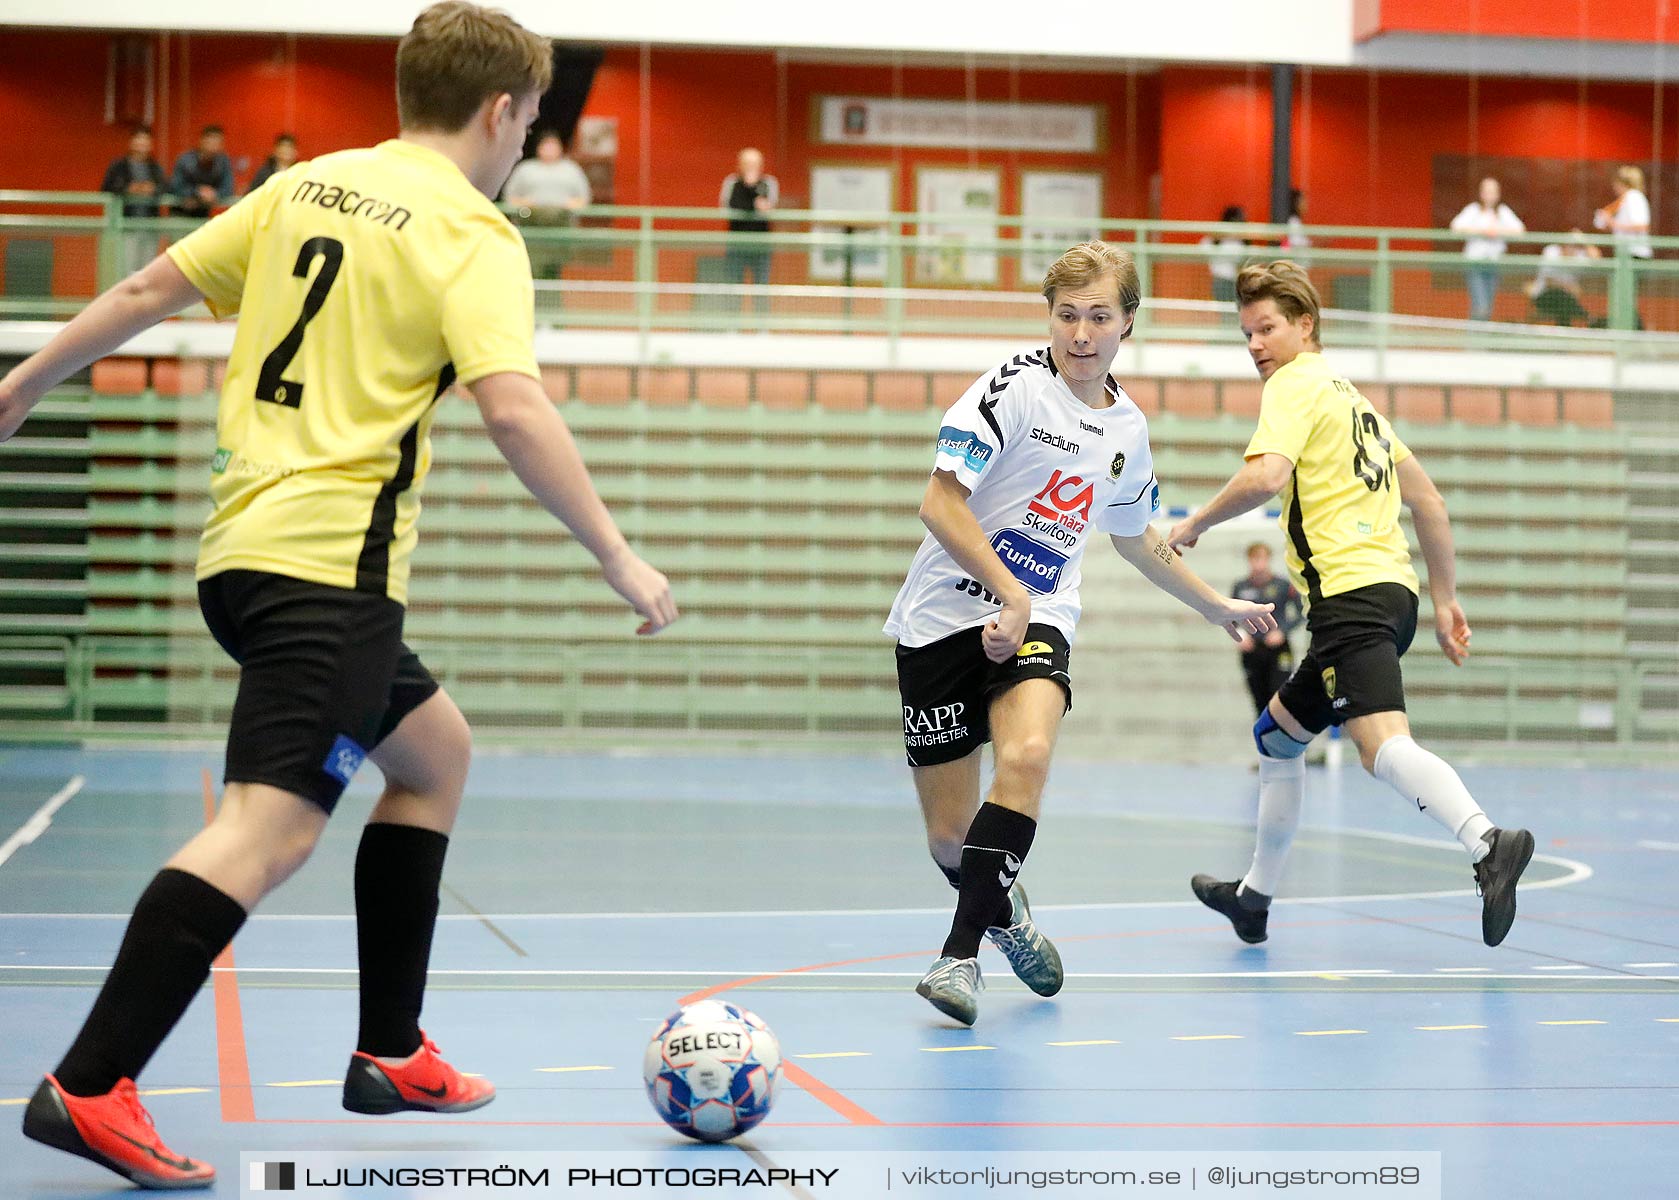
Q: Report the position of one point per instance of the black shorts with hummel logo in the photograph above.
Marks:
(1351, 669)
(947, 687)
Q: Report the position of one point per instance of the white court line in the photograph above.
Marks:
(1650, 845)
(1577, 872)
(1643, 965)
(38, 824)
(783, 972)
(1563, 967)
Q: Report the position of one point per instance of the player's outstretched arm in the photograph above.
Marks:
(1165, 569)
(533, 438)
(945, 512)
(133, 306)
(1434, 534)
(1259, 478)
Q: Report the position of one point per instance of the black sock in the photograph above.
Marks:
(398, 869)
(1005, 915)
(992, 853)
(179, 926)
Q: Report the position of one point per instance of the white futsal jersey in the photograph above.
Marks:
(1044, 471)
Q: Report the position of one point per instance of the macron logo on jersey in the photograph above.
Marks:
(966, 446)
(1029, 560)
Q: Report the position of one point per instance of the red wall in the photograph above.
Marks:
(1596, 20)
(331, 93)
(706, 106)
(1363, 149)
(1364, 143)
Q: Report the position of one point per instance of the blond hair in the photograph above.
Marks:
(459, 55)
(1632, 176)
(1087, 262)
(1285, 282)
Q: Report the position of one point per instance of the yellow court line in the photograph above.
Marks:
(1327, 1032)
(1210, 1037)
(1092, 1042)
(24, 1100)
(836, 1054)
(1668, 1020)
(308, 1083)
(564, 1070)
(1574, 1022)
(173, 1091)
(953, 1049)
(1437, 1028)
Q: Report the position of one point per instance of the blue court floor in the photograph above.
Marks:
(586, 895)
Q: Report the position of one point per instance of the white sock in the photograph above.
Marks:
(1428, 781)
(1282, 788)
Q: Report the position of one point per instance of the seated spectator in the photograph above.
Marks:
(547, 190)
(138, 178)
(203, 177)
(284, 155)
(1223, 265)
(1555, 291)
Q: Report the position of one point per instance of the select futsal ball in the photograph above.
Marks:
(711, 1070)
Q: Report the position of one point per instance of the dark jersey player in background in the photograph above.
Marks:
(1344, 473)
(366, 283)
(1267, 659)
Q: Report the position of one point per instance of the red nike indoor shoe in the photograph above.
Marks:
(113, 1130)
(422, 1082)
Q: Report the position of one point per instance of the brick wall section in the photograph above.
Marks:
(849, 390)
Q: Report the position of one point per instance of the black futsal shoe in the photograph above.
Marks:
(1495, 879)
(1220, 896)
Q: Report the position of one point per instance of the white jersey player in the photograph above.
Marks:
(1035, 458)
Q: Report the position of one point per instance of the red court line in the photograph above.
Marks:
(853, 1112)
(849, 1109)
(233, 1066)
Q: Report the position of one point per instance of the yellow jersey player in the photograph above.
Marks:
(366, 283)
(1343, 473)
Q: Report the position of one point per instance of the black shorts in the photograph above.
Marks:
(947, 687)
(324, 678)
(1351, 668)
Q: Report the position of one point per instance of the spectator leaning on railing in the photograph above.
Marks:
(749, 194)
(284, 155)
(1627, 216)
(1487, 221)
(547, 191)
(1229, 252)
(203, 176)
(138, 178)
(1296, 241)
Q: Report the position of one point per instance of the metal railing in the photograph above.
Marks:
(908, 274)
